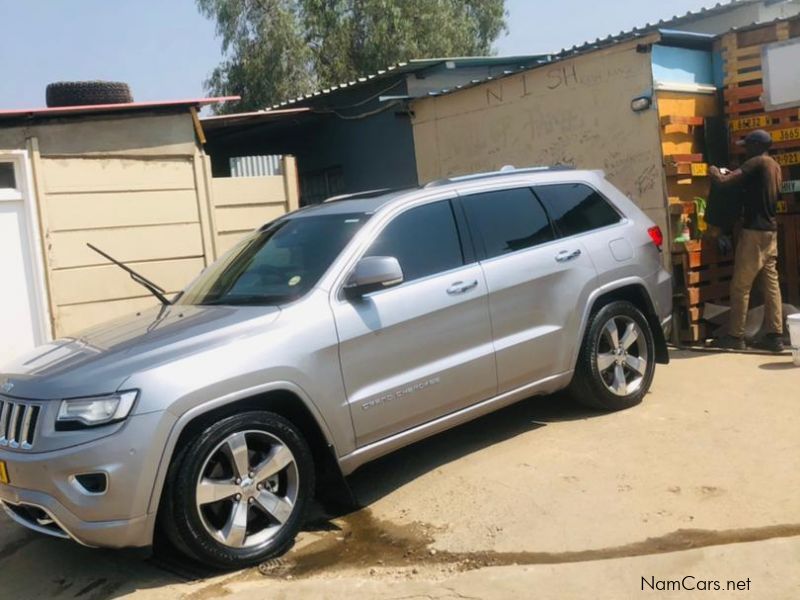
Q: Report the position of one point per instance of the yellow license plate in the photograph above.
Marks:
(786, 135)
(789, 158)
(749, 123)
(4, 473)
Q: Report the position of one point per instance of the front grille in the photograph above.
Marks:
(18, 423)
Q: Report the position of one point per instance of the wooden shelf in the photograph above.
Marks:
(698, 169)
(678, 120)
(677, 159)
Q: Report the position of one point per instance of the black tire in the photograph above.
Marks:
(180, 517)
(590, 386)
(81, 93)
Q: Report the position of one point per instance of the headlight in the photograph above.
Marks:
(80, 413)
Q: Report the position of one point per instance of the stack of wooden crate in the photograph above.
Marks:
(742, 52)
(697, 279)
(702, 275)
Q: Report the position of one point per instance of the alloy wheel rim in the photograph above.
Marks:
(247, 489)
(622, 357)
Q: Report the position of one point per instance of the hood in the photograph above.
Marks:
(99, 360)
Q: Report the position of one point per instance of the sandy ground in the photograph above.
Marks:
(540, 500)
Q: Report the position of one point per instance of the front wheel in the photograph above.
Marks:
(238, 490)
(617, 360)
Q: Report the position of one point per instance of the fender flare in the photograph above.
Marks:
(662, 353)
(197, 411)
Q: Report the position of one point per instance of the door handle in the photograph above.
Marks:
(567, 255)
(459, 287)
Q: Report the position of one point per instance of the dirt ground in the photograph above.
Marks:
(540, 500)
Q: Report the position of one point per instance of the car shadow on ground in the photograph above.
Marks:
(778, 366)
(700, 352)
(381, 477)
(43, 567)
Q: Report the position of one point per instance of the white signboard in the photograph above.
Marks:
(781, 75)
(790, 187)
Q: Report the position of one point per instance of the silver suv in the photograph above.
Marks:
(323, 340)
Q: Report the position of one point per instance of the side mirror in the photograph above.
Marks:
(373, 273)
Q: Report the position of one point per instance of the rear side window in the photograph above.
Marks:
(424, 240)
(508, 220)
(576, 208)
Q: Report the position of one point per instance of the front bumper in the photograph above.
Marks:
(43, 494)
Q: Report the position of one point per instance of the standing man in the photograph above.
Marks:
(759, 181)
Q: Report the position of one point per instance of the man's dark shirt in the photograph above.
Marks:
(761, 186)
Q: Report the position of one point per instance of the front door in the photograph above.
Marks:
(537, 284)
(421, 349)
(20, 314)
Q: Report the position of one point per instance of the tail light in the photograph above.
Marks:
(656, 236)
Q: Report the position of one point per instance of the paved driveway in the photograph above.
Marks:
(541, 499)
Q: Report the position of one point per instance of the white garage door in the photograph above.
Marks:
(20, 317)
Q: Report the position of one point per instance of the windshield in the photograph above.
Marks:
(277, 264)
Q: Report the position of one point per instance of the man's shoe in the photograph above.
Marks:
(772, 342)
(730, 342)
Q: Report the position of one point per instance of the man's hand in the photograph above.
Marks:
(725, 176)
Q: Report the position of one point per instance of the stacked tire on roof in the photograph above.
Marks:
(85, 93)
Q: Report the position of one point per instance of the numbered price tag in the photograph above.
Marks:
(788, 158)
(786, 135)
(699, 170)
(749, 123)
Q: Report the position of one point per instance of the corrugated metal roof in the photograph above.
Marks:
(411, 66)
(678, 38)
(103, 108)
(662, 24)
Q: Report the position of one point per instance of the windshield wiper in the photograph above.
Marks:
(157, 291)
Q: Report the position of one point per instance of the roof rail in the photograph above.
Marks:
(506, 170)
(359, 195)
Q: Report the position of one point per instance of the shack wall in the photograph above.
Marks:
(576, 112)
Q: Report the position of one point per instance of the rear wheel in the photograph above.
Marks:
(239, 490)
(617, 360)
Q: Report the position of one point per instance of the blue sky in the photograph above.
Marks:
(165, 49)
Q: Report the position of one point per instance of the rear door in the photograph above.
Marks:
(422, 349)
(579, 211)
(535, 282)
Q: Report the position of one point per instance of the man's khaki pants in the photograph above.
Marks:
(756, 254)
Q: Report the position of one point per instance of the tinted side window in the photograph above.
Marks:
(424, 240)
(576, 208)
(508, 220)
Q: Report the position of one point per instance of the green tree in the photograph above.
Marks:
(278, 49)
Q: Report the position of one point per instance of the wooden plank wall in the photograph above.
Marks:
(140, 188)
(743, 103)
(241, 204)
(141, 211)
